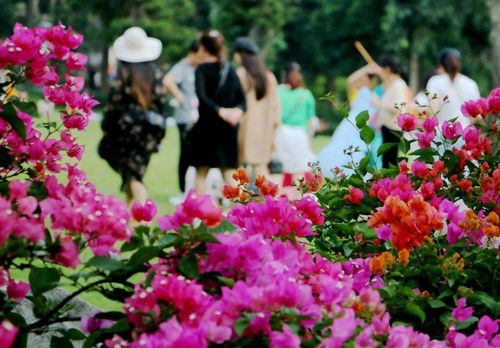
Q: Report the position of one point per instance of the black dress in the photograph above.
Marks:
(212, 141)
(127, 144)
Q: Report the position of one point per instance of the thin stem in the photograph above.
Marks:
(39, 323)
(46, 321)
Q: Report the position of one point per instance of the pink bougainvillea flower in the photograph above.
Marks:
(89, 324)
(462, 313)
(144, 212)
(8, 334)
(494, 101)
(407, 122)
(474, 108)
(68, 253)
(451, 130)
(194, 207)
(384, 232)
(425, 139)
(285, 339)
(355, 196)
(487, 327)
(17, 290)
(76, 61)
(430, 124)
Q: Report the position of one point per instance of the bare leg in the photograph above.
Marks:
(200, 184)
(260, 169)
(137, 192)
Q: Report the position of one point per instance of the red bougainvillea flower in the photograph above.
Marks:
(144, 212)
(407, 122)
(430, 124)
(355, 196)
(312, 181)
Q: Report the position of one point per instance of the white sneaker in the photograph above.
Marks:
(176, 200)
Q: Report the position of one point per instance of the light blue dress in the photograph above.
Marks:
(346, 134)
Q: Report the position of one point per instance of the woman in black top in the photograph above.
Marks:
(130, 138)
(214, 138)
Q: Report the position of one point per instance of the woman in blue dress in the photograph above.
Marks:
(346, 135)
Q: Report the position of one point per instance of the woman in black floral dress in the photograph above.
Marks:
(129, 137)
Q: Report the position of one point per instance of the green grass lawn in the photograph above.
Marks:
(160, 179)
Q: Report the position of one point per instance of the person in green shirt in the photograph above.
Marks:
(293, 148)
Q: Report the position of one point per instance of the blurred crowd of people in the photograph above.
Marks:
(229, 116)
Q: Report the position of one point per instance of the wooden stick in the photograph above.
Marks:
(359, 46)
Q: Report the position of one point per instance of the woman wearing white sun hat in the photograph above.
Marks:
(133, 124)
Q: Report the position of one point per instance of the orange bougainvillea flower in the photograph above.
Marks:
(260, 180)
(380, 263)
(241, 176)
(230, 192)
(404, 256)
(409, 222)
(376, 266)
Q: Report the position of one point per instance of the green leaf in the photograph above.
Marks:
(224, 226)
(105, 263)
(242, 323)
(168, 240)
(437, 304)
(74, 334)
(25, 106)
(466, 323)
(226, 281)
(367, 134)
(143, 255)
(60, 342)
(208, 237)
(188, 265)
(43, 279)
(362, 118)
(9, 114)
(384, 148)
(415, 310)
(363, 163)
(134, 243)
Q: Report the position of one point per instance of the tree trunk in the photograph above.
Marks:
(414, 68)
(104, 71)
(32, 13)
(494, 6)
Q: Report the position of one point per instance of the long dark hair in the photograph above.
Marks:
(213, 42)
(140, 77)
(393, 63)
(254, 66)
(449, 58)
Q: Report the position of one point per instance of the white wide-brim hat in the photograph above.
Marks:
(134, 46)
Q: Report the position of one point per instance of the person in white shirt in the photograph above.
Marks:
(389, 69)
(456, 86)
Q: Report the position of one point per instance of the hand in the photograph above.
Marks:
(231, 115)
(180, 99)
(374, 68)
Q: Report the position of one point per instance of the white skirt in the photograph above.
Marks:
(293, 149)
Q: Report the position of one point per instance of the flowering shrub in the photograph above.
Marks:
(49, 212)
(432, 227)
(267, 273)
